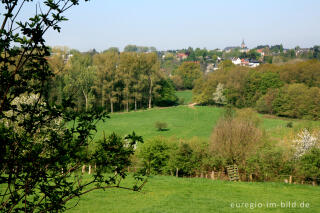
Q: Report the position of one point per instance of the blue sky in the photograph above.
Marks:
(175, 24)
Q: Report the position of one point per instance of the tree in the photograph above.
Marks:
(218, 96)
(150, 68)
(304, 142)
(107, 77)
(128, 63)
(236, 138)
(154, 155)
(189, 71)
(166, 94)
(81, 76)
(43, 145)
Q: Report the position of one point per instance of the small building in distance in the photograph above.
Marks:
(244, 48)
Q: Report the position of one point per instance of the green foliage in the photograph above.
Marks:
(309, 165)
(289, 90)
(268, 163)
(258, 83)
(154, 154)
(297, 101)
(289, 124)
(189, 71)
(182, 159)
(44, 143)
(166, 94)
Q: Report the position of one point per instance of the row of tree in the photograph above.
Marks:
(290, 90)
(111, 80)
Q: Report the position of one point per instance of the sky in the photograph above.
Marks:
(176, 24)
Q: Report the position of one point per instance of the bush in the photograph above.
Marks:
(181, 101)
(289, 124)
(154, 155)
(309, 165)
(182, 159)
(161, 126)
(236, 138)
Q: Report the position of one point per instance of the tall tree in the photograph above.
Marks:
(150, 66)
(189, 71)
(106, 64)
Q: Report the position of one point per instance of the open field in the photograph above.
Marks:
(169, 194)
(183, 122)
(186, 95)
(186, 122)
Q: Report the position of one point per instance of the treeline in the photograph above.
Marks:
(290, 90)
(238, 138)
(111, 80)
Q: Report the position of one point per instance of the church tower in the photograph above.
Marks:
(243, 45)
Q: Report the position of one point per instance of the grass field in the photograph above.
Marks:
(186, 95)
(183, 122)
(181, 195)
(186, 122)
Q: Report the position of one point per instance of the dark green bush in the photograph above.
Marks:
(161, 126)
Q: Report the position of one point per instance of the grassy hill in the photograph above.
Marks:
(187, 122)
(174, 195)
(183, 122)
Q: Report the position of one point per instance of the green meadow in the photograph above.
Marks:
(187, 122)
(163, 194)
(185, 95)
(170, 194)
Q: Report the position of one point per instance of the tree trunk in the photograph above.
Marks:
(111, 106)
(150, 93)
(83, 169)
(135, 104)
(127, 104)
(86, 98)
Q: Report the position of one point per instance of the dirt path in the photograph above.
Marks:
(192, 105)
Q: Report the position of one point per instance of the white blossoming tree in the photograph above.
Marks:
(218, 95)
(304, 142)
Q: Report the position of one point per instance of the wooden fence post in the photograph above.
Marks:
(290, 179)
(83, 169)
(212, 175)
(89, 172)
(177, 172)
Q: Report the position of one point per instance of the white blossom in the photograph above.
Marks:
(304, 142)
(218, 96)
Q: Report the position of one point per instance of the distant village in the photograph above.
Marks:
(240, 55)
(210, 60)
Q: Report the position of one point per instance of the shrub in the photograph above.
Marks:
(289, 124)
(182, 159)
(181, 101)
(154, 155)
(236, 138)
(309, 165)
(161, 126)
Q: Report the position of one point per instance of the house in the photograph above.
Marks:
(244, 62)
(182, 56)
(236, 61)
(261, 51)
(253, 63)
